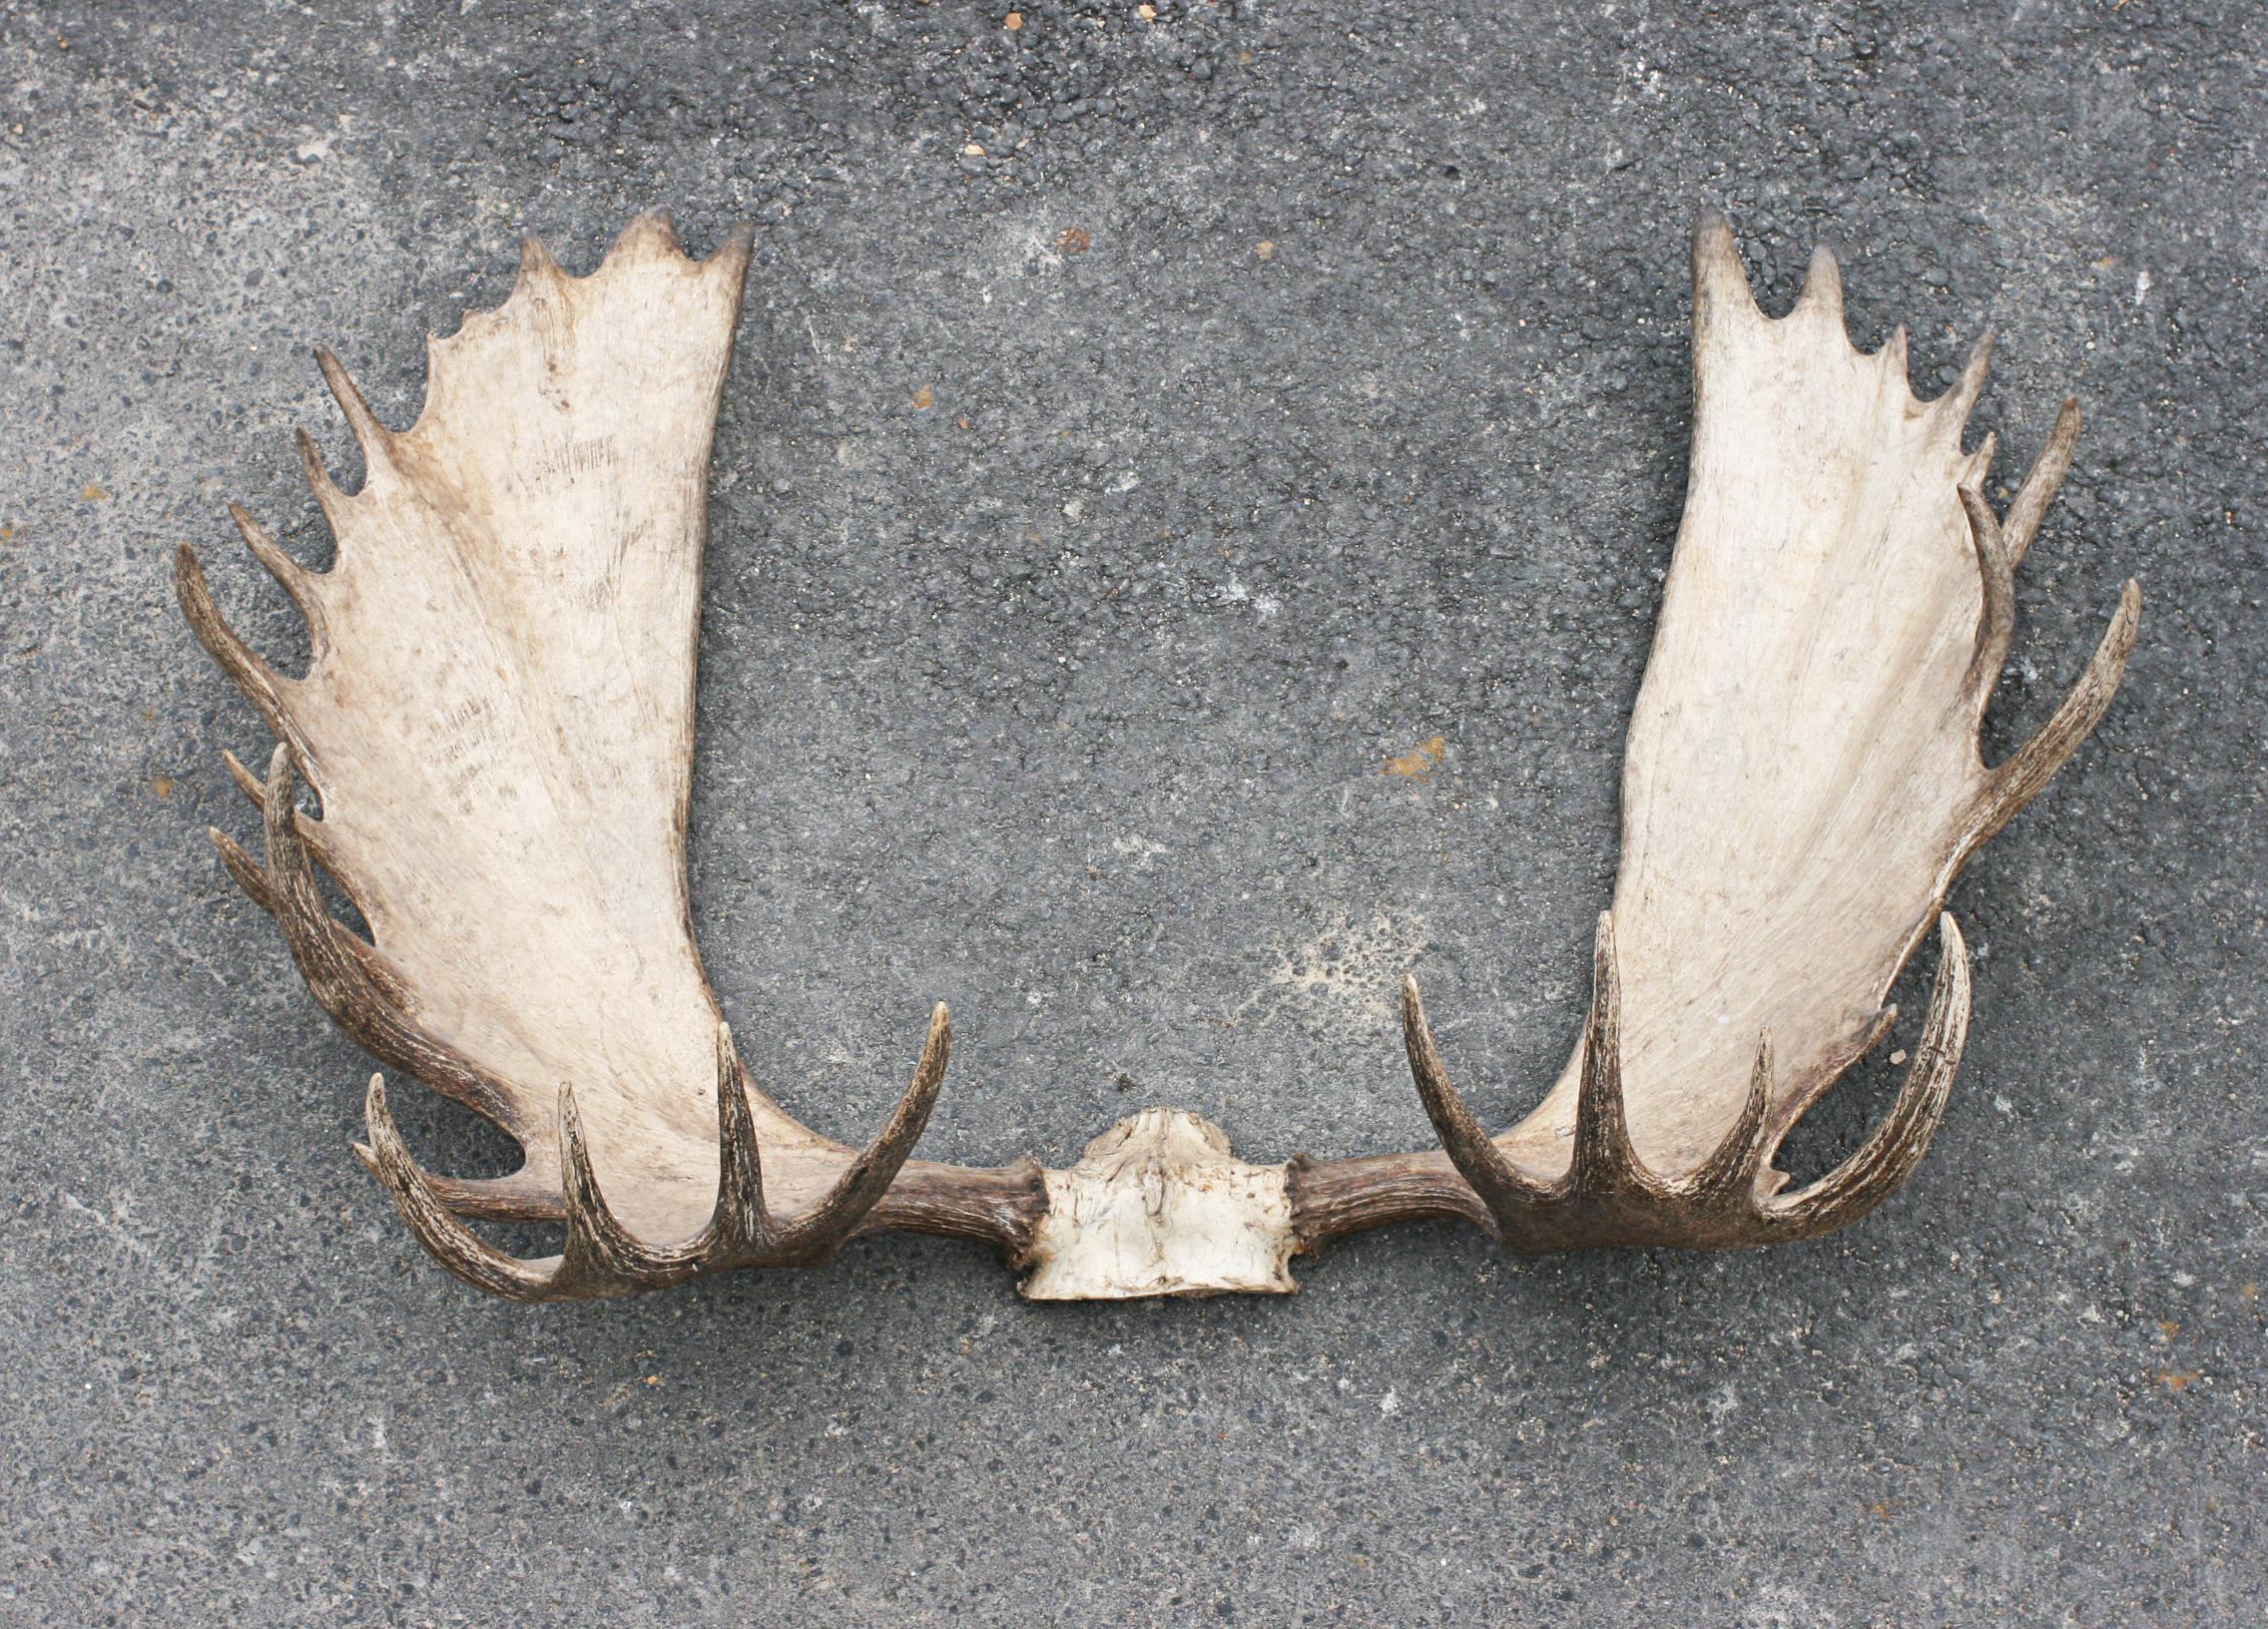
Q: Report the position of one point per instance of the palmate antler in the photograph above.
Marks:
(1801, 783)
(498, 722)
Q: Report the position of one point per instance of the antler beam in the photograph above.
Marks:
(497, 722)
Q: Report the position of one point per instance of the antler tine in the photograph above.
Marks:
(1731, 1171)
(1971, 385)
(312, 835)
(823, 1231)
(247, 783)
(447, 1239)
(602, 1257)
(1893, 354)
(328, 498)
(2019, 778)
(2043, 482)
(1823, 286)
(307, 923)
(1890, 1154)
(260, 684)
(1996, 627)
(1604, 1162)
(293, 578)
(1719, 279)
(536, 262)
(375, 440)
(334, 973)
(1504, 1187)
(740, 1226)
(243, 870)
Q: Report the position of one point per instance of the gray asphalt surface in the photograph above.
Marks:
(1360, 420)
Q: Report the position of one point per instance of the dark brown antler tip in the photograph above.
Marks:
(294, 579)
(446, 1238)
(830, 1223)
(1505, 1190)
(243, 870)
(1887, 1157)
(2043, 482)
(1996, 626)
(1732, 1170)
(740, 1226)
(602, 1255)
(260, 684)
(1604, 1162)
(2026, 773)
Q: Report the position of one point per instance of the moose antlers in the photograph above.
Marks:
(497, 721)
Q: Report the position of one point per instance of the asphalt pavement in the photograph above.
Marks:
(1186, 526)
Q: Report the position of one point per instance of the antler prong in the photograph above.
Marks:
(821, 1232)
(2019, 778)
(1823, 286)
(1893, 353)
(375, 440)
(1504, 1187)
(602, 1255)
(651, 228)
(311, 831)
(1890, 1154)
(243, 870)
(2042, 482)
(1718, 279)
(1996, 626)
(1604, 1162)
(307, 923)
(328, 498)
(293, 578)
(247, 783)
(536, 263)
(446, 1238)
(1979, 462)
(260, 684)
(1959, 402)
(740, 1225)
(1731, 1171)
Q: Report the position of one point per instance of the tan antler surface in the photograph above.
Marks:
(498, 724)
(1801, 778)
(499, 720)
(1801, 784)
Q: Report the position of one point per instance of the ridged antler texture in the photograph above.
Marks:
(497, 722)
(1801, 784)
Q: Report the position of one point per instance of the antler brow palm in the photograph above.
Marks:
(497, 720)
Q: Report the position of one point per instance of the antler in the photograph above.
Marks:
(1802, 785)
(604, 1258)
(1609, 1196)
(498, 720)
(498, 724)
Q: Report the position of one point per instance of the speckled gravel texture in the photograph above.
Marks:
(1283, 386)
